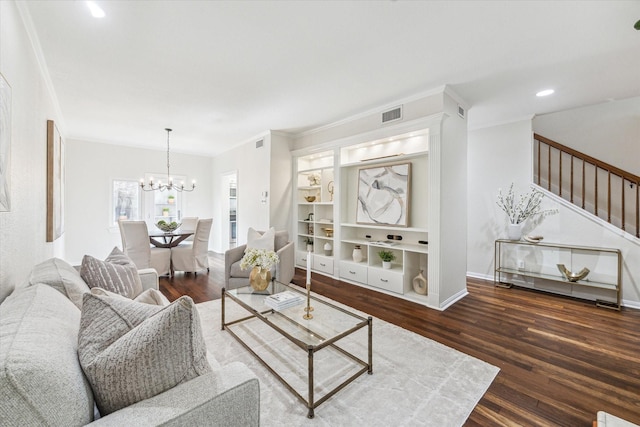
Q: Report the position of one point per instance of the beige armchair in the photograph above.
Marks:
(235, 277)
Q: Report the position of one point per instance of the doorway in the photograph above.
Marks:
(230, 209)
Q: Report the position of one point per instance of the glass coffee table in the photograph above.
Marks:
(277, 335)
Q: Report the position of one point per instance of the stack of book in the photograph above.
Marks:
(283, 300)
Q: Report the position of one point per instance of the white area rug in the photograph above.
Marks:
(415, 381)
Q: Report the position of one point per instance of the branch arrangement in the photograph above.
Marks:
(528, 205)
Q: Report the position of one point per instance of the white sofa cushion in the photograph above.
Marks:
(131, 351)
(41, 381)
(117, 273)
(61, 276)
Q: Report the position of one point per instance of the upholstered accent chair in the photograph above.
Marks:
(136, 245)
(235, 277)
(194, 257)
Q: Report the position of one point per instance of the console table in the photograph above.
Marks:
(515, 258)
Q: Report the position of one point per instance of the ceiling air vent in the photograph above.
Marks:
(391, 115)
(260, 143)
(461, 111)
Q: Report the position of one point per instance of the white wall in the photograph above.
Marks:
(253, 167)
(502, 154)
(91, 168)
(23, 229)
(609, 131)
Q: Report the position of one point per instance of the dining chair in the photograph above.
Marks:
(189, 223)
(136, 245)
(194, 257)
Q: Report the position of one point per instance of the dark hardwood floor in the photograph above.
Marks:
(561, 359)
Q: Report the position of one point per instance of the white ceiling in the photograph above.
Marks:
(221, 72)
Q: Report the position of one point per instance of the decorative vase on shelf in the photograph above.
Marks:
(259, 278)
(327, 249)
(420, 284)
(514, 231)
(357, 254)
(386, 265)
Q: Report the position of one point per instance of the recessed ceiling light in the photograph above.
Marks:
(545, 92)
(96, 11)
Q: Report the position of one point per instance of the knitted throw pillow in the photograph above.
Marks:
(132, 351)
(150, 296)
(117, 273)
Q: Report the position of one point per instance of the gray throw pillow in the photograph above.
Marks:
(117, 273)
(150, 296)
(61, 276)
(132, 351)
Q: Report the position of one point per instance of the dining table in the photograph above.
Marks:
(170, 239)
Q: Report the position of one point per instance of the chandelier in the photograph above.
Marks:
(159, 186)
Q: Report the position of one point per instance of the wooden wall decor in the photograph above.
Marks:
(55, 182)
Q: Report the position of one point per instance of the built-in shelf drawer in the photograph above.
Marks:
(323, 264)
(390, 280)
(301, 259)
(353, 271)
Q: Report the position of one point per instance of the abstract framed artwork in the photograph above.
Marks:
(55, 182)
(384, 195)
(5, 145)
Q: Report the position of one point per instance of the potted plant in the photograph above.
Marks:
(165, 211)
(309, 242)
(171, 199)
(386, 257)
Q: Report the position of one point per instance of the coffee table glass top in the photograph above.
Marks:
(328, 323)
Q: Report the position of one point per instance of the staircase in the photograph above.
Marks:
(593, 185)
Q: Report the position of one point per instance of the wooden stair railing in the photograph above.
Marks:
(620, 186)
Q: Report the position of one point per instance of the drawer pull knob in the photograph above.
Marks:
(384, 280)
(352, 272)
(324, 265)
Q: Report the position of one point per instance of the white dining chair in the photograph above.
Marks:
(136, 245)
(189, 223)
(194, 257)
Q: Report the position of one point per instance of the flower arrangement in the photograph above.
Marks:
(263, 258)
(528, 205)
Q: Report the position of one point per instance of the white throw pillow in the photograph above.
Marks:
(150, 296)
(131, 351)
(117, 273)
(255, 240)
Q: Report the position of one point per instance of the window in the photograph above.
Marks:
(126, 200)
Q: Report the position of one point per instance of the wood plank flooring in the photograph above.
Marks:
(561, 359)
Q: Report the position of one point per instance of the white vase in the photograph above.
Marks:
(327, 249)
(386, 264)
(514, 231)
(309, 247)
(357, 254)
(420, 284)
